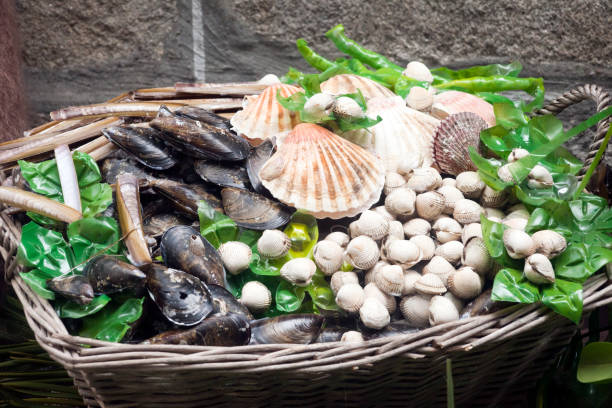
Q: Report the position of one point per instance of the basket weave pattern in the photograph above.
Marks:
(495, 356)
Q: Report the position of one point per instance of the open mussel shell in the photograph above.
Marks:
(257, 158)
(200, 140)
(155, 225)
(204, 116)
(217, 330)
(296, 329)
(252, 210)
(182, 298)
(222, 175)
(224, 302)
(75, 287)
(185, 197)
(143, 144)
(183, 248)
(107, 274)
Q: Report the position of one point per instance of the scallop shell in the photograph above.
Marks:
(451, 102)
(467, 211)
(476, 256)
(350, 297)
(401, 132)
(447, 229)
(349, 83)
(396, 230)
(373, 225)
(416, 226)
(298, 271)
(492, 198)
(452, 140)
(470, 184)
(264, 117)
(451, 195)
(429, 205)
(451, 251)
(402, 252)
(401, 202)
(420, 99)
(339, 237)
(440, 267)
(415, 309)
(352, 336)
(518, 243)
(390, 279)
(549, 243)
(470, 231)
(320, 172)
(383, 211)
(393, 181)
(424, 179)
(539, 270)
(328, 256)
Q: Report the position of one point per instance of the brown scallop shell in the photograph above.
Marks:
(451, 102)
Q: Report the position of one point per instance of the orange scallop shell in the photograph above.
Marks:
(450, 102)
(349, 83)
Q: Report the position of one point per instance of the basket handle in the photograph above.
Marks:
(574, 96)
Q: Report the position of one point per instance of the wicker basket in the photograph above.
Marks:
(495, 357)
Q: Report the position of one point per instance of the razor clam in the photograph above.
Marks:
(107, 274)
(253, 211)
(75, 287)
(156, 225)
(143, 144)
(257, 158)
(200, 140)
(217, 330)
(222, 175)
(183, 247)
(224, 302)
(111, 168)
(130, 219)
(38, 204)
(296, 329)
(185, 197)
(204, 116)
(182, 298)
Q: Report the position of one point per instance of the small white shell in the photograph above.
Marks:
(383, 211)
(451, 196)
(430, 284)
(518, 243)
(519, 207)
(470, 184)
(319, 104)
(273, 244)
(449, 181)
(342, 278)
(539, 177)
(517, 223)
(396, 230)
(298, 271)
(415, 309)
(518, 213)
(429, 205)
(409, 162)
(328, 256)
(256, 296)
(350, 297)
(447, 229)
(549, 243)
(362, 252)
(539, 270)
(372, 291)
(401, 202)
(370, 275)
(269, 79)
(402, 252)
(476, 256)
(456, 301)
(517, 154)
(373, 225)
(236, 256)
(442, 310)
(392, 181)
(419, 98)
(493, 198)
(424, 179)
(426, 245)
(418, 71)
(390, 279)
(374, 314)
(410, 278)
(347, 108)
(465, 283)
(354, 229)
(352, 336)
(494, 212)
(470, 231)
(440, 267)
(467, 211)
(416, 226)
(504, 174)
(451, 251)
(339, 237)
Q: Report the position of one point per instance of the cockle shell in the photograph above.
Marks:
(539, 177)
(424, 179)
(328, 256)
(342, 278)
(470, 231)
(504, 174)
(401, 202)
(518, 243)
(426, 245)
(402, 131)
(493, 198)
(442, 310)
(349, 83)
(236, 256)
(430, 284)
(440, 267)
(493, 212)
(539, 270)
(298, 271)
(410, 278)
(415, 309)
(264, 116)
(470, 184)
(256, 296)
(373, 225)
(517, 154)
(396, 230)
(449, 181)
(273, 244)
(354, 229)
(456, 301)
(372, 291)
(383, 211)
(390, 279)
(374, 314)
(518, 223)
(416, 226)
(347, 108)
(476, 256)
(447, 229)
(452, 102)
(451, 251)
(318, 105)
(352, 336)
(402, 252)
(339, 237)
(419, 99)
(350, 297)
(393, 181)
(418, 71)
(412, 160)
(370, 275)
(467, 211)
(549, 243)
(362, 252)
(465, 283)
(451, 195)
(429, 205)
(320, 172)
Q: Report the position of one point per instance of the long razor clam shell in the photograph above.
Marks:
(154, 93)
(50, 143)
(130, 219)
(38, 204)
(92, 145)
(245, 88)
(59, 127)
(68, 177)
(103, 152)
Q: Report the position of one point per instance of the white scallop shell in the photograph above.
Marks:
(352, 336)
(370, 275)
(430, 284)
(465, 283)
(440, 267)
(539, 270)
(418, 71)
(467, 211)
(518, 243)
(339, 237)
(470, 231)
(401, 202)
(549, 243)
(451, 251)
(372, 291)
(298, 271)
(349, 83)
(451, 195)
(447, 229)
(402, 252)
(476, 256)
(470, 184)
(410, 278)
(429, 205)
(396, 230)
(424, 179)
(393, 180)
(373, 225)
(426, 244)
(450, 102)
(390, 279)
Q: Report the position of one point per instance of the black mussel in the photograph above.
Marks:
(107, 274)
(217, 330)
(296, 329)
(75, 287)
(143, 143)
(182, 298)
(222, 175)
(183, 248)
(257, 157)
(111, 168)
(224, 302)
(331, 334)
(200, 140)
(252, 210)
(156, 225)
(204, 115)
(482, 305)
(392, 329)
(185, 197)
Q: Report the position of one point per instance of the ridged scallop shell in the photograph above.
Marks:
(447, 229)
(370, 275)
(328, 256)
(470, 231)
(492, 198)
(339, 237)
(470, 184)
(383, 211)
(396, 230)
(373, 225)
(390, 279)
(476, 256)
(451, 195)
(430, 284)
(393, 181)
(350, 297)
(467, 211)
(415, 309)
(429, 205)
(452, 102)
(452, 140)
(320, 172)
(539, 270)
(298, 271)
(373, 314)
(264, 117)
(416, 226)
(401, 132)
(549, 243)
(423, 179)
(401, 202)
(451, 251)
(402, 252)
(349, 83)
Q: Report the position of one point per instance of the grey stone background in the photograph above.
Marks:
(86, 51)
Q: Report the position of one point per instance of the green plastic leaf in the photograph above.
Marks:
(96, 198)
(43, 178)
(93, 236)
(87, 169)
(445, 74)
(511, 286)
(492, 233)
(72, 310)
(572, 263)
(598, 257)
(289, 297)
(595, 363)
(405, 84)
(508, 116)
(493, 139)
(112, 322)
(565, 298)
(539, 219)
(217, 228)
(303, 232)
(249, 237)
(321, 293)
(44, 249)
(587, 207)
(37, 280)
(266, 267)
